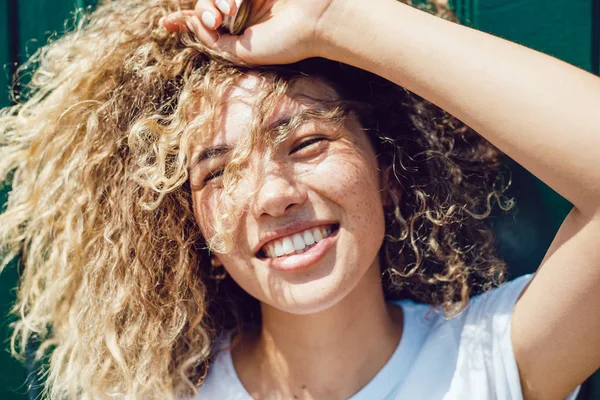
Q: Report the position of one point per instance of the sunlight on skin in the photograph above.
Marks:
(307, 310)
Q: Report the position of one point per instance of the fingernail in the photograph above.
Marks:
(223, 5)
(209, 19)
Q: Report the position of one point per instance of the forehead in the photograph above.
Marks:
(240, 105)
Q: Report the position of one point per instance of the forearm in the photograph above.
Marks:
(540, 111)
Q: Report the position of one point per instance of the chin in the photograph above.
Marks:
(312, 297)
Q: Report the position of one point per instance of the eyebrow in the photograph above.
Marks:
(281, 122)
(221, 149)
(210, 152)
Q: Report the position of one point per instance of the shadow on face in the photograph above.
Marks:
(286, 166)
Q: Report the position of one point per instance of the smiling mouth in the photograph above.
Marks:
(297, 243)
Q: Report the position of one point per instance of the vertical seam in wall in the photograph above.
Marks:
(13, 37)
(475, 14)
(596, 37)
(455, 6)
(463, 11)
(467, 13)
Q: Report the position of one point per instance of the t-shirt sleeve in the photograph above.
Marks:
(492, 312)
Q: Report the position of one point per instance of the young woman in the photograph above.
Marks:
(189, 216)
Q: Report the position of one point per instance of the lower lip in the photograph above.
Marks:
(304, 260)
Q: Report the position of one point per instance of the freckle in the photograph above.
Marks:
(303, 387)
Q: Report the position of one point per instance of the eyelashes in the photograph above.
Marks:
(302, 148)
(307, 143)
(214, 174)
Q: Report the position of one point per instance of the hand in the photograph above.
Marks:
(277, 31)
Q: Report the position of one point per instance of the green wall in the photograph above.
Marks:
(5, 52)
(567, 29)
(24, 25)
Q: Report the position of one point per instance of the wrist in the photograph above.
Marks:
(348, 28)
(327, 36)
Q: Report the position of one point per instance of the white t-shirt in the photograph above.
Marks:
(467, 357)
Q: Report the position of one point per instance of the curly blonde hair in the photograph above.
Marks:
(116, 283)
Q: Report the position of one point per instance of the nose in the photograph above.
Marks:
(277, 194)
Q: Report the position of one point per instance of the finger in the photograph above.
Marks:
(227, 7)
(207, 36)
(175, 22)
(210, 16)
(189, 21)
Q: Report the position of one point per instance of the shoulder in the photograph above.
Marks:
(485, 323)
(498, 302)
(471, 353)
(494, 305)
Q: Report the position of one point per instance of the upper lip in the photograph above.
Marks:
(289, 229)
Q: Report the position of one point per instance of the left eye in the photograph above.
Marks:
(214, 174)
(306, 143)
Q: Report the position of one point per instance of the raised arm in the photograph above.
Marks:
(542, 112)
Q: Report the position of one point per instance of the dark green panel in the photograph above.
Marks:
(87, 3)
(562, 28)
(596, 37)
(12, 373)
(33, 22)
(4, 53)
(40, 19)
(467, 11)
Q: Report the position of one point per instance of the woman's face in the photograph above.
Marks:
(315, 223)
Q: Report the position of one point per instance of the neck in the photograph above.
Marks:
(329, 354)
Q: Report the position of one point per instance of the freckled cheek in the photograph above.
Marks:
(352, 183)
(348, 179)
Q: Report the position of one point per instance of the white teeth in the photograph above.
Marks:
(308, 237)
(317, 234)
(288, 246)
(278, 249)
(271, 250)
(298, 242)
